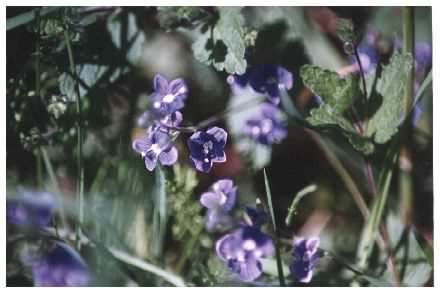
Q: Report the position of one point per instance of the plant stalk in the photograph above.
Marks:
(79, 126)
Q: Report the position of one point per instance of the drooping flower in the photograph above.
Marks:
(266, 79)
(31, 209)
(267, 126)
(61, 267)
(243, 249)
(207, 147)
(219, 201)
(156, 145)
(306, 256)
(168, 97)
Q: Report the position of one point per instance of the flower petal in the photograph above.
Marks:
(150, 160)
(219, 134)
(141, 145)
(211, 200)
(178, 88)
(169, 157)
(160, 84)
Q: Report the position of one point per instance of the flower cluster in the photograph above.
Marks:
(206, 147)
(265, 79)
(243, 248)
(267, 126)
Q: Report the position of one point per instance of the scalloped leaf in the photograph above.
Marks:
(386, 120)
(337, 92)
(223, 45)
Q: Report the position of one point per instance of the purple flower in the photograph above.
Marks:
(219, 201)
(157, 144)
(368, 56)
(267, 126)
(207, 147)
(265, 79)
(172, 120)
(306, 256)
(423, 56)
(242, 250)
(31, 209)
(168, 97)
(61, 267)
(255, 217)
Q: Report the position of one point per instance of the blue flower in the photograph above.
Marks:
(423, 56)
(31, 209)
(266, 79)
(61, 267)
(156, 145)
(207, 147)
(267, 126)
(306, 256)
(243, 249)
(168, 97)
(219, 201)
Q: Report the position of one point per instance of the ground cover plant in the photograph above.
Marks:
(219, 146)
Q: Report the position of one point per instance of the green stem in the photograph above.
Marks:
(277, 236)
(405, 178)
(79, 125)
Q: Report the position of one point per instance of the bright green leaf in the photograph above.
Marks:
(385, 122)
(337, 92)
(223, 45)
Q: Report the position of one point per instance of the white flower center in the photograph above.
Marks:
(223, 198)
(156, 149)
(266, 125)
(207, 146)
(156, 105)
(168, 98)
(249, 244)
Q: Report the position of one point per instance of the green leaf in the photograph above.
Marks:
(126, 36)
(385, 122)
(89, 76)
(223, 45)
(27, 17)
(338, 93)
(412, 262)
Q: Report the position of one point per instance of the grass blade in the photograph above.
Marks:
(277, 246)
(300, 194)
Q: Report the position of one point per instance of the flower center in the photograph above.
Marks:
(207, 147)
(168, 98)
(249, 245)
(156, 105)
(266, 125)
(156, 148)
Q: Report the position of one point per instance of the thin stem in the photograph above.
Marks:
(364, 86)
(405, 177)
(215, 118)
(79, 125)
